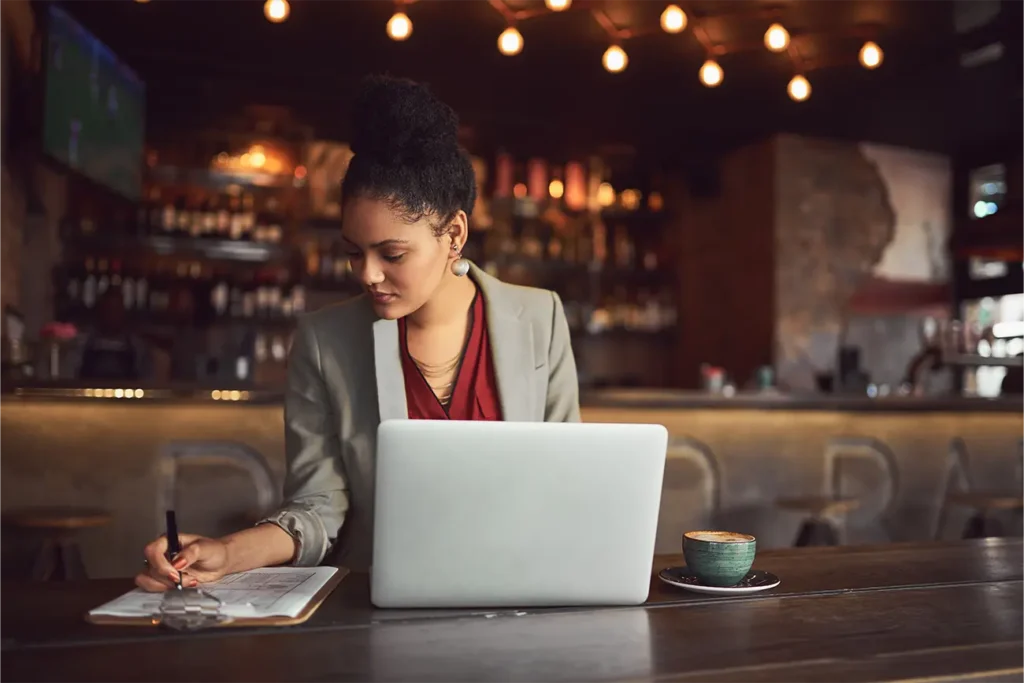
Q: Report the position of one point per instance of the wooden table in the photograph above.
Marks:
(855, 613)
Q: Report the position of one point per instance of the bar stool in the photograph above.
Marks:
(826, 515)
(673, 521)
(58, 556)
(174, 454)
(984, 504)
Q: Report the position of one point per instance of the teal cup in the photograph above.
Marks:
(719, 558)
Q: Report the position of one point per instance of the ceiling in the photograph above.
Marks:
(554, 98)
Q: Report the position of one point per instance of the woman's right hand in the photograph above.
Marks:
(201, 560)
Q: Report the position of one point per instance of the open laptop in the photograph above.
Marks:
(515, 514)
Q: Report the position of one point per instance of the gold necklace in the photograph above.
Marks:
(442, 391)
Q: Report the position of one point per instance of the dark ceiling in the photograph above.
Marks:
(201, 57)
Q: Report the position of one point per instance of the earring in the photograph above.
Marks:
(460, 266)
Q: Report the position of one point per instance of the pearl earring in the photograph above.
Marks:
(460, 266)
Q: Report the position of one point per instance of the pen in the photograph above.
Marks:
(173, 542)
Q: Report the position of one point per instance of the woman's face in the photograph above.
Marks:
(400, 264)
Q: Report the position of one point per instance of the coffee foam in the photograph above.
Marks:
(718, 536)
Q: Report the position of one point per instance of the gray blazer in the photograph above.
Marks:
(345, 377)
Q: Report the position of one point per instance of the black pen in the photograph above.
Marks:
(173, 542)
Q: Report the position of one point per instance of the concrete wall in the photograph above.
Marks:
(103, 453)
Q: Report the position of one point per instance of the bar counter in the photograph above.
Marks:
(943, 611)
(730, 460)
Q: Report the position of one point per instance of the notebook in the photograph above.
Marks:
(280, 595)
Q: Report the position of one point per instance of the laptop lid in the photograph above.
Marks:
(528, 514)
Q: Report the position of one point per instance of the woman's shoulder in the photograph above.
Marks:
(522, 299)
(347, 315)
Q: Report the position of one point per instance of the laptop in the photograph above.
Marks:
(515, 514)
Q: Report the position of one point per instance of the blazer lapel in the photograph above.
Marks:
(387, 357)
(511, 341)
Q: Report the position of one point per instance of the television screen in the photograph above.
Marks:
(94, 120)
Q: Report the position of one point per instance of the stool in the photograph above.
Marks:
(58, 556)
(982, 524)
(819, 527)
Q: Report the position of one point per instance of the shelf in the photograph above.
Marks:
(194, 247)
(970, 360)
(219, 181)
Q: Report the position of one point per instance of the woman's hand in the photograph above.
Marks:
(201, 560)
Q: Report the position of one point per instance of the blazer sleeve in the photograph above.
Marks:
(563, 400)
(315, 488)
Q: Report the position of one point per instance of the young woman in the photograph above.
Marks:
(433, 337)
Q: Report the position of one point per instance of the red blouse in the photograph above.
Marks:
(475, 394)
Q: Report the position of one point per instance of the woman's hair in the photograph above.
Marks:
(406, 153)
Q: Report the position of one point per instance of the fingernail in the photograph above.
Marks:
(173, 576)
(192, 583)
(180, 563)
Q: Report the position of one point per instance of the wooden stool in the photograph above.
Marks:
(982, 524)
(58, 557)
(819, 527)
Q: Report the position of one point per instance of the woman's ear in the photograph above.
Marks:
(458, 230)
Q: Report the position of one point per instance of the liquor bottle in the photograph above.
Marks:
(237, 219)
(223, 219)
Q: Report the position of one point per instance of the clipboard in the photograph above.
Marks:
(310, 608)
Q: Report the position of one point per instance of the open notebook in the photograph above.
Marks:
(282, 595)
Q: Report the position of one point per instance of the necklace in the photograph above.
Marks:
(433, 372)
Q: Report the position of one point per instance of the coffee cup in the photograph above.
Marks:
(719, 558)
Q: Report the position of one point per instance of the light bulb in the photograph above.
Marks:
(799, 89)
(556, 189)
(870, 55)
(711, 73)
(605, 194)
(276, 11)
(615, 59)
(673, 19)
(399, 26)
(510, 42)
(776, 38)
(558, 5)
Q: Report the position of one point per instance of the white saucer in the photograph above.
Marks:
(754, 582)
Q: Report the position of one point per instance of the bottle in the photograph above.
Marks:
(223, 219)
(236, 219)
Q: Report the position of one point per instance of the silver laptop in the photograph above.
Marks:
(515, 514)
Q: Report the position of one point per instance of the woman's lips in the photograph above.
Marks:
(382, 298)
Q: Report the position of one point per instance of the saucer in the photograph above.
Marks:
(754, 582)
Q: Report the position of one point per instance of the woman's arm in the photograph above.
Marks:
(563, 402)
(315, 487)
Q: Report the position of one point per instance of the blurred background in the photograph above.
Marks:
(791, 231)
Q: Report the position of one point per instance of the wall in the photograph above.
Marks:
(858, 229)
(16, 27)
(726, 267)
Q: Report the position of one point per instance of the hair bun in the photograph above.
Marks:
(400, 122)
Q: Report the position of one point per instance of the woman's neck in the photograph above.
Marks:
(449, 305)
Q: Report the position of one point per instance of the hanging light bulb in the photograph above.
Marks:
(799, 89)
(711, 73)
(615, 59)
(399, 26)
(673, 19)
(776, 38)
(276, 11)
(557, 5)
(510, 42)
(870, 55)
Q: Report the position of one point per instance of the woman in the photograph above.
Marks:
(433, 337)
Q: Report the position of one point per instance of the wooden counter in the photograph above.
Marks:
(875, 613)
(107, 453)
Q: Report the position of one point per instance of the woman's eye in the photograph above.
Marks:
(394, 258)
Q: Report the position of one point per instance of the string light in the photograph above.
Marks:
(276, 11)
(399, 26)
(615, 59)
(799, 89)
(776, 38)
(510, 42)
(711, 74)
(870, 55)
(673, 19)
(557, 5)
